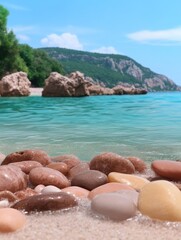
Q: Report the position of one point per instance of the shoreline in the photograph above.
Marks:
(36, 91)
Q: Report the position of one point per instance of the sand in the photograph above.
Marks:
(36, 91)
(81, 224)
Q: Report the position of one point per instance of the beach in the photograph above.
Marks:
(36, 91)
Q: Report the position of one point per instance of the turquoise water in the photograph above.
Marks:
(147, 126)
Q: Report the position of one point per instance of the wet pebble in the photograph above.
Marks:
(48, 176)
(79, 168)
(89, 179)
(70, 159)
(134, 181)
(139, 164)
(50, 189)
(25, 193)
(12, 178)
(168, 169)
(77, 191)
(160, 200)
(59, 166)
(111, 162)
(11, 220)
(26, 166)
(114, 206)
(44, 202)
(11, 197)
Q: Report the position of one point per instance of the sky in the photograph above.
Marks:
(149, 31)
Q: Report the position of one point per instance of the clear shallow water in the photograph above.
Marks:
(147, 126)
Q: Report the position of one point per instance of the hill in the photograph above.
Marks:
(111, 69)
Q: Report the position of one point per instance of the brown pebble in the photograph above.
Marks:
(8, 195)
(12, 178)
(82, 167)
(45, 202)
(76, 191)
(69, 159)
(48, 176)
(90, 179)
(26, 166)
(59, 166)
(167, 169)
(11, 220)
(139, 164)
(26, 155)
(111, 162)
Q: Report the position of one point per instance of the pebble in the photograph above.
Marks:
(130, 194)
(108, 187)
(11, 197)
(134, 181)
(39, 188)
(114, 206)
(45, 202)
(89, 179)
(50, 188)
(69, 159)
(77, 191)
(26, 155)
(11, 220)
(81, 167)
(2, 157)
(48, 176)
(160, 200)
(26, 166)
(59, 166)
(25, 193)
(139, 164)
(12, 178)
(168, 169)
(111, 162)
(4, 203)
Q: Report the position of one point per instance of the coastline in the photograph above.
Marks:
(36, 91)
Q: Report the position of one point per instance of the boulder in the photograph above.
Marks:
(15, 84)
(120, 90)
(96, 89)
(57, 85)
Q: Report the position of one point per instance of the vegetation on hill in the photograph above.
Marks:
(19, 57)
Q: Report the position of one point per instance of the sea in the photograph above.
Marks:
(146, 126)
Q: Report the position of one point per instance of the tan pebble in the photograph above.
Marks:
(108, 187)
(134, 181)
(114, 206)
(50, 188)
(8, 195)
(76, 191)
(39, 188)
(139, 164)
(59, 166)
(26, 166)
(160, 200)
(25, 193)
(26, 155)
(168, 169)
(12, 178)
(111, 162)
(79, 168)
(11, 220)
(48, 176)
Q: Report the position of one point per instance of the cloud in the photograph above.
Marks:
(109, 50)
(172, 35)
(65, 40)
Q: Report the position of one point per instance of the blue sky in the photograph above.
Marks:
(149, 31)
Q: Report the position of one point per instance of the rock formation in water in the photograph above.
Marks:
(15, 84)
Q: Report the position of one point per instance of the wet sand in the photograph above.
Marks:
(81, 224)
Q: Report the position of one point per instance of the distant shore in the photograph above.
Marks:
(36, 91)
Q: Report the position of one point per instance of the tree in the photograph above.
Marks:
(10, 60)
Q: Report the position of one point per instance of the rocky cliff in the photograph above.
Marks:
(110, 70)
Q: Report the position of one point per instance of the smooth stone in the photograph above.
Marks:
(50, 188)
(139, 164)
(26, 166)
(77, 191)
(108, 187)
(28, 155)
(4, 203)
(2, 157)
(168, 169)
(133, 181)
(39, 188)
(70, 159)
(130, 194)
(48, 176)
(12, 179)
(111, 162)
(45, 202)
(25, 193)
(160, 200)
(59, 166)
(11, 220)
(114, 206)
(11, 197)
(82, 167)
(89, 179)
